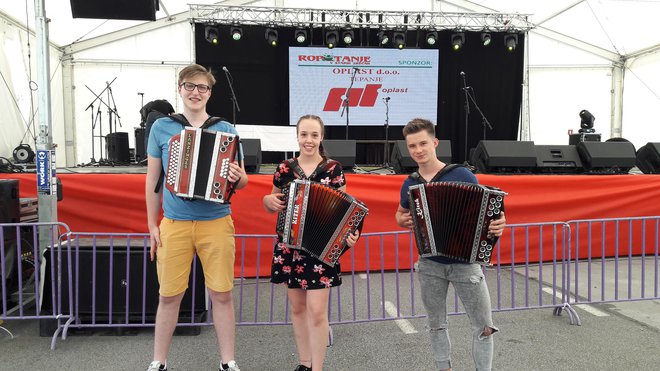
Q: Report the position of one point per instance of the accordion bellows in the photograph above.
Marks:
(318, 218)
(198, 164)
(451, 219)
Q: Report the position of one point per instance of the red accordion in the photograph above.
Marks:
(198, 164)
(318, 218)
(451, 219)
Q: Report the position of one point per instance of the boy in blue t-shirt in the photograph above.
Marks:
(435, 273)
(190, 226)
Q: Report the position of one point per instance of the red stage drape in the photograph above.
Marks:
(115, 203)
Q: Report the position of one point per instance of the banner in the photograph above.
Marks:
(380, 84)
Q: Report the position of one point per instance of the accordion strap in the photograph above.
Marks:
(181, 119)
(445, 170)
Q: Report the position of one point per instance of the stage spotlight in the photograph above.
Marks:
(331, 37)
(236, 33)
(586, 122)
(348, 36)
(301, 36)
(457, 40)
(431, 37)
(211, 34)
(383, 38)
(271, 36)
(399, 39)
(511, 41)
(485, 38)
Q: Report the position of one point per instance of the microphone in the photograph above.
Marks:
(225, 69)
(462, 73)
(386, 99)
(357, 69)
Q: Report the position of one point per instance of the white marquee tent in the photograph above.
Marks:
(600, 55)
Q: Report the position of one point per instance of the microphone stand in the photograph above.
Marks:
(484, 121)
(234, 105)
(386, 153)
(467, 115)
(347, 100)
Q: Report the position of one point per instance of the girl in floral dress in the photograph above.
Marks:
(309, 280)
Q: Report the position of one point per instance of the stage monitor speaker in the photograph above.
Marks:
(116, 147)
(648, 158)
(402, 163)
(135, 281)
(607, 157)
(342, 151)
(138, 10)
(558, 159)
(140, 149)
(504, 156)
(251, 155)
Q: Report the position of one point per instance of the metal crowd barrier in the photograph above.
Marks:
(24, 293)
(106, 280)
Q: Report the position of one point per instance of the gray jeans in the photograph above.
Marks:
(469, 282)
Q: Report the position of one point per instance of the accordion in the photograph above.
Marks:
(198, 164)
(317, 219)
(451, 219)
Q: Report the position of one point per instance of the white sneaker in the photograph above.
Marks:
(232, 366)
(157, 366)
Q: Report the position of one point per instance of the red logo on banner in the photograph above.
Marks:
(363, 97)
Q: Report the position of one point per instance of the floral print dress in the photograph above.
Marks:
(296, 268)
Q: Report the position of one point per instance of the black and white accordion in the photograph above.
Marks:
(318, 218)
(198, 164)
(451, 219)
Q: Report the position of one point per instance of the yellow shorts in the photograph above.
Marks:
(214, 242)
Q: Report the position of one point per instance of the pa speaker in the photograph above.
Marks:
(607, 157)
(402, 163)
(648, 158)
(558, 159)
(504, 156)
(252, 155)
(342, 151)
(138, 10)
(140, 149)
(116, 146)
(126, 279)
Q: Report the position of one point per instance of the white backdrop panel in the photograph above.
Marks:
(558, 95)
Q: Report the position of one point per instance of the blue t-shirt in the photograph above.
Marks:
(457, 174)
(175, 207)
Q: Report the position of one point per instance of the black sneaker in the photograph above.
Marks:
(303, 368)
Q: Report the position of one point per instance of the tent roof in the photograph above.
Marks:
(607, 28)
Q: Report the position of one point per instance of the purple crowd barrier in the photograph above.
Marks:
(30, 288)
(106, 280)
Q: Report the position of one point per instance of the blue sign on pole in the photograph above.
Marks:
(43, 172)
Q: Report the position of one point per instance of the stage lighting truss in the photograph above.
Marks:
(356, 19)
(236, 33)
(486, 38)
(271, 36)
(211, 34)
(331, 37)
(457, 41)
(348, 36)
(399, 39)
(383, 38)
(300, 35)
(510, 41)
(431, 38)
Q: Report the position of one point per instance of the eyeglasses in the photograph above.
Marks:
(200, 87)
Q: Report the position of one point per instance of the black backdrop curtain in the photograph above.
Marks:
(261, 83)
